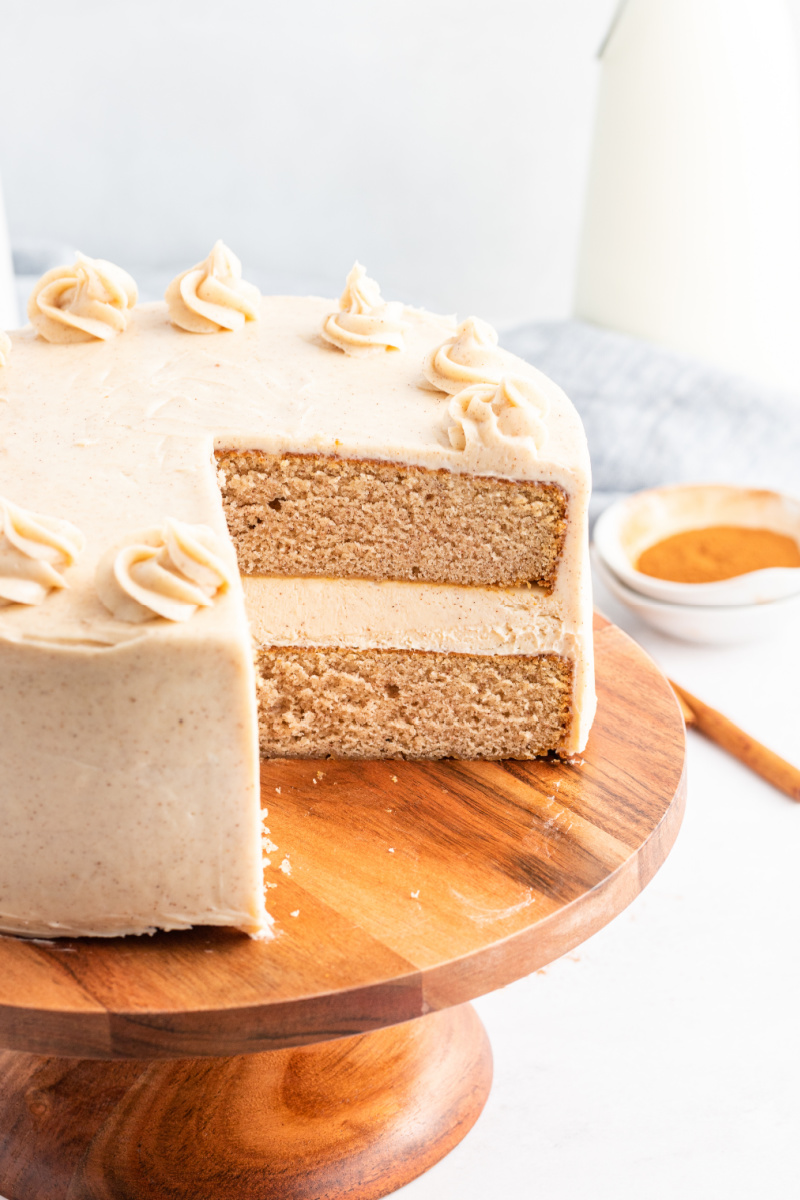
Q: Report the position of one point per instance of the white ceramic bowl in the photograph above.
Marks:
(633, 524)
(723, 626)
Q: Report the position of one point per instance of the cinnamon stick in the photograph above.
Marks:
(717, 728)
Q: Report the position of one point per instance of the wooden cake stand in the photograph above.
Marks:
(298, 1067)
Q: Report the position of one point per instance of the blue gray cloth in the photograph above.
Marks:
(654, 417)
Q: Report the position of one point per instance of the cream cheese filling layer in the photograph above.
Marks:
(382, 615)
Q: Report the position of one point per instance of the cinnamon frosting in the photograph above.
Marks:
(212, 296)
(364, 324)
(32, 546)
(470, 356)
(87, 301)
(485, 416)
(168, 572)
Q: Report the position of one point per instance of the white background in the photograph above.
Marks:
(443, 142)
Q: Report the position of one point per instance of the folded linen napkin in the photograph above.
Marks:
(654, 417)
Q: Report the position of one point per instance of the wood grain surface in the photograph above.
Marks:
(357, 1118)
(400, 889)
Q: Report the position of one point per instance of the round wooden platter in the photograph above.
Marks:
(297, 1067)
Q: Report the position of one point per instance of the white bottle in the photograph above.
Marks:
(9, 318)
(691, 231)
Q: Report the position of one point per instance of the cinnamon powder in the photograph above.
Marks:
(717, 552)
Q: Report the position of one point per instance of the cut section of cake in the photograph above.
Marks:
(418, 587)
(407, 504)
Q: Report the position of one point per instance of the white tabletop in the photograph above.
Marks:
(661, 1058)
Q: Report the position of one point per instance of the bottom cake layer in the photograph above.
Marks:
(342, 703)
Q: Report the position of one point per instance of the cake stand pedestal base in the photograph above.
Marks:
(355, 1117)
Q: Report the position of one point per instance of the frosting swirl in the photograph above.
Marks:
(212, 296)
(5, 348)
(485, 415)
(470, 356)
(365, 324)
(31, 547)
(168, 572)
(88, 300)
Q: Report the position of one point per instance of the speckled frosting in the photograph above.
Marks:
(129, 761)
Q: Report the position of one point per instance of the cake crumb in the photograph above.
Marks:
(542, 686)
(394, 779)
(415, 895)
(391, 849)
(278, 790)
(268, 884)
(296, 913)
(320, 774)
(286, 867)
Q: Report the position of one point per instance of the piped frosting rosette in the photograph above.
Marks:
(212, 296)
(88, 301)
(365, 324)
(168, 572)
(5, 348)
(485, 415)
(32, 547)
(470, 356)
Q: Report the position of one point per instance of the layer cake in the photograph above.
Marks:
(237, 525)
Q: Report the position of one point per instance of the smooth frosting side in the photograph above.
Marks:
(365, 324)
(168, 572)
(470, 356)
(31, 547)
(87, 301)
(212, 296)
(5, 348)
(129, 777)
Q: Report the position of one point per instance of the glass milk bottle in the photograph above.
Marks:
(691, 231)
(9, 318)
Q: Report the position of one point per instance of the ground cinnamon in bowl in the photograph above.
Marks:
(717, 552)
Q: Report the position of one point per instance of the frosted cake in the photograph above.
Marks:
(236, 525)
